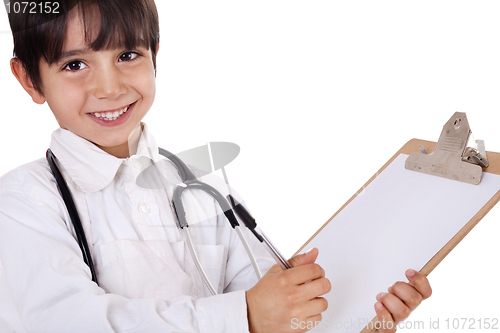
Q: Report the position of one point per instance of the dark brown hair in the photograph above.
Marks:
(123, 23)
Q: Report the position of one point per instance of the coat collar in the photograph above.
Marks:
(90, 167)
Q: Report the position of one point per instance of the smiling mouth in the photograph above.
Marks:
(111, 115)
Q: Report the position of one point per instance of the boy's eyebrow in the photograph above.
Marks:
(72, 53)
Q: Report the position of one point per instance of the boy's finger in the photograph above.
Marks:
(301, 274)
(420, 282)
(407, 293)
(399, 310)
(304, 258)
(315, 288)
(315, 307)
(385, 323)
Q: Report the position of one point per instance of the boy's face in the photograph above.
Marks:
(86, 88)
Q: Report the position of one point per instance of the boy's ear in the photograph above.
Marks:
(19, 72)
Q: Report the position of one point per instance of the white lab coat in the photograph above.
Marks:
(147, 279)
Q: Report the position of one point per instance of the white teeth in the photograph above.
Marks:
(111, 115)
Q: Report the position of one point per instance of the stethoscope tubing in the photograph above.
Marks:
(196, 259)
(249, 252)
(73, 213)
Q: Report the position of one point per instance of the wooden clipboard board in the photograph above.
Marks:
(410, 147)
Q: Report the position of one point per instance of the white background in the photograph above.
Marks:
(318, 95)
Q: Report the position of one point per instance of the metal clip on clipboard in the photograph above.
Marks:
(457, 155)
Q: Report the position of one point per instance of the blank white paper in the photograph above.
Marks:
(400, 221)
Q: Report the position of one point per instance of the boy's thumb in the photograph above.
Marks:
(304, 258)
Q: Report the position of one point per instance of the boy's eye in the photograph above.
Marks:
(75, 65)
(128, 56)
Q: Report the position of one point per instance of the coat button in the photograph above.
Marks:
(144, 207)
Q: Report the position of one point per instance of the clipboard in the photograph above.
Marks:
(410, 147)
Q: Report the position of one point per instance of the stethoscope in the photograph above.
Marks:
(189, 181)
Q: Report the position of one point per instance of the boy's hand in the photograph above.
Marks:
(402, 298)
(282, 297)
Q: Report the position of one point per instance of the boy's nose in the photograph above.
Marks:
(109, 83)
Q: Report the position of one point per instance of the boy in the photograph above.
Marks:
(94, 64)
